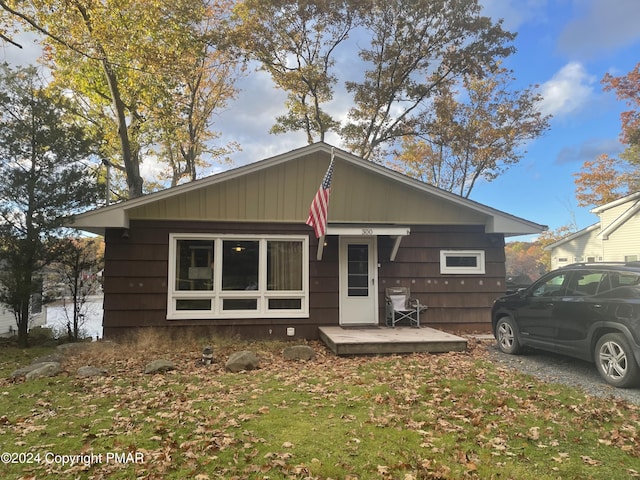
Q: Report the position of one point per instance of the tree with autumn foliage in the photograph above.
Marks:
(477, 133)
(131, 64)
(415, 49)
(601, 181)
(524, 262)
(530, 259)
(627, 88)
(406, 51)
(605, 179)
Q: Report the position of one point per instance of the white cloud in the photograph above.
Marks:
(151, 169)
(567, 91)
(603, 26)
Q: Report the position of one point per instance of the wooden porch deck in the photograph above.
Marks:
(372, 340)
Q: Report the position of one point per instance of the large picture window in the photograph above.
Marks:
(224, 276)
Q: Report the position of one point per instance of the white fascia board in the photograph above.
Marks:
(615, 203)
(97, 221)
(512, 226)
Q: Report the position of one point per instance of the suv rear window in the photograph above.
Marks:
(617, 284)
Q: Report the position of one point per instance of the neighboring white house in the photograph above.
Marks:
(8, 326)
(615, 238)
(7, 322)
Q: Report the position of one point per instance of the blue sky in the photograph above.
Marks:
(564, 46)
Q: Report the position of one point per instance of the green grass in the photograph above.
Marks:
(390, 417)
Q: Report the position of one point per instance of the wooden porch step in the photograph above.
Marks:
(381, 340)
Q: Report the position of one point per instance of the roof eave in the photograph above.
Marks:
(615, 203)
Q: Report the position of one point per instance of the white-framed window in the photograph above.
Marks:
(234, 276)
(462, 261)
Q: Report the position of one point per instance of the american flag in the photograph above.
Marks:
(319, 208)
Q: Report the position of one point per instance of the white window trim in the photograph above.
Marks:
(217, 296)
(479, 269)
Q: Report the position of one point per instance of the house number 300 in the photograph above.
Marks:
(367, 231)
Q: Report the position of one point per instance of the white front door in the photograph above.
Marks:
(358, 281)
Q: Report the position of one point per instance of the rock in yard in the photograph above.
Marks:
(48, 369)
(54, 357)
(299, 352)
(158, 366)
(244, 360)
(89, 371)
(21, 372)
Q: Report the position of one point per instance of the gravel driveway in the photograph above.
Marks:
(555, 368)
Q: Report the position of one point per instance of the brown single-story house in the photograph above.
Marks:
(232, 252)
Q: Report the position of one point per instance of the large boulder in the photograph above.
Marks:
(240, 361)
(299, 352)
(48, 369)
(159, 366)
(36, 364)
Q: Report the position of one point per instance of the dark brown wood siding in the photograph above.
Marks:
(136, 268)
(456, 302)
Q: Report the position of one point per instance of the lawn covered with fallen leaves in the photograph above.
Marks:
(418, 416)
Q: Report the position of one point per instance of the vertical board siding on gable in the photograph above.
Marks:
(276, 194)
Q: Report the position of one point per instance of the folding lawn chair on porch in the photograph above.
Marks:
(400, 306)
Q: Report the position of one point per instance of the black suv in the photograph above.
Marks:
(588, 310)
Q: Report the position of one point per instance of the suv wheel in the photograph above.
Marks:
(506, 336)
(615, 361)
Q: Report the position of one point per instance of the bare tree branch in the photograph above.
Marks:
(7, 39)
(42, 30)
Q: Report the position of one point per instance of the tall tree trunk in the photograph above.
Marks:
(23, 325)
(129, 160)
